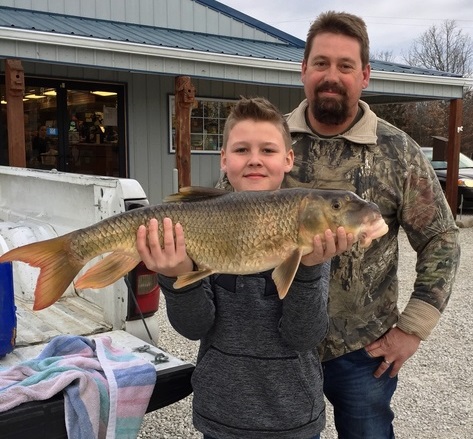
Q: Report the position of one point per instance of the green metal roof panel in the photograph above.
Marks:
(148, 35)
(173, 38)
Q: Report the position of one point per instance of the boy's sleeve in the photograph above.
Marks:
(191, 310)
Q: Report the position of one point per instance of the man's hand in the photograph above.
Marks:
(396, 347)
(327, 248)
(170, 260)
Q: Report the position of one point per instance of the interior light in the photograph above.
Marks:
(104, 93)
(34, 96)
(51, 92)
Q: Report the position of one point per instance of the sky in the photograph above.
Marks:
(392, 25)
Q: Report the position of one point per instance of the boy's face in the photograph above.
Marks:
(255, 157)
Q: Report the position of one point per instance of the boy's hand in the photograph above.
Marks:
(324, 251)
(170, 260)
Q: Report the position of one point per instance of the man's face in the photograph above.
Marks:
(333, 79)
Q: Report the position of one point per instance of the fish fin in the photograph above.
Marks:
(108, 270)
(57, 271)
(284, 273)
(191, 277)
(195, 193)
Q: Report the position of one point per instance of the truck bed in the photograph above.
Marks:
(70, 315)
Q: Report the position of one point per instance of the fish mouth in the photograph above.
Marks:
(373, 229)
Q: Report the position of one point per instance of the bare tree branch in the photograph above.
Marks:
(445, 48)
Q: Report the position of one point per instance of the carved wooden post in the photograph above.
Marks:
(15, 87)
(184, 101)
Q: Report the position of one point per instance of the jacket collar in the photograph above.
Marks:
(363, 132)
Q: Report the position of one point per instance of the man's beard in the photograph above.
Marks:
(330, 111)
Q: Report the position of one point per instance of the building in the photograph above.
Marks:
(100, 80)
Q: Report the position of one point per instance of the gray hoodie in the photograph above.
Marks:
(258, 373)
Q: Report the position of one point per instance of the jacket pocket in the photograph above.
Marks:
(258, 393)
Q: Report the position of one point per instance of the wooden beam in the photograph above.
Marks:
(184, 101)
(453, 153)
(15, 88)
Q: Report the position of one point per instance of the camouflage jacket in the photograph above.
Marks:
(382, 164)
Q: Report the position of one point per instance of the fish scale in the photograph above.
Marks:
(235, 229)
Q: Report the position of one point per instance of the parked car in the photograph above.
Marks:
(465, 177)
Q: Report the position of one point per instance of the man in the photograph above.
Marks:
(340, 143)
(41, 143)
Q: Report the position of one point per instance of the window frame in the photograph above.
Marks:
(199, 117)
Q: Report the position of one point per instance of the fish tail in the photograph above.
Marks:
(56, 269)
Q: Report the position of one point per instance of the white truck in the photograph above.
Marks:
(36, 205)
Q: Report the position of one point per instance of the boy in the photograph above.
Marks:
(258, 374)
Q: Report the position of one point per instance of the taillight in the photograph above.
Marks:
(143, 288)
(146, 283)
(143, 292)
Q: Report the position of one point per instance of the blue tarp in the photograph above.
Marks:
(7, 310)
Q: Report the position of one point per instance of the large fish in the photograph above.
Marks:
(225, 232)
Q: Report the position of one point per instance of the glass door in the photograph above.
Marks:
(41, 127)
(93, 132)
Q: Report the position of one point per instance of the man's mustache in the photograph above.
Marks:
(334, 88)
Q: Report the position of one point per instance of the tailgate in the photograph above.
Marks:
(45, 419)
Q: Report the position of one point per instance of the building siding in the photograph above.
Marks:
(175, 14)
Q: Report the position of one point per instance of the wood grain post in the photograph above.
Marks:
(15, 88)
(453, 153)
(184, 101)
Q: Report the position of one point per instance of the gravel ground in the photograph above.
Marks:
(435, 392)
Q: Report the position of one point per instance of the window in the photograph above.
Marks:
(71, 126)
(207, 122)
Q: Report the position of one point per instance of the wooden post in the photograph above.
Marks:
(184, 101)
(453, 153)
(15, 88)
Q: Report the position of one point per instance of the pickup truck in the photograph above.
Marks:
(37, 205)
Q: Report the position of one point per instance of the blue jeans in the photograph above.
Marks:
(361, 402)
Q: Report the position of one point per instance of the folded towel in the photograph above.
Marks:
(106, 389)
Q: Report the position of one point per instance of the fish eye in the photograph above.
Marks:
(336, 204)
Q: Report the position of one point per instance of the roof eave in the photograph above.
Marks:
(74, 41)
(36, 37)
(421, 78)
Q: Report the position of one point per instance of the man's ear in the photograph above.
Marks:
(366, 76)
(303, 70)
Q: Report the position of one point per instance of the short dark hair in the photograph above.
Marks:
(340, 23)
(260, 110)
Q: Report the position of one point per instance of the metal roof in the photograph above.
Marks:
(147, 35)
(252, 22)
(68, 25)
